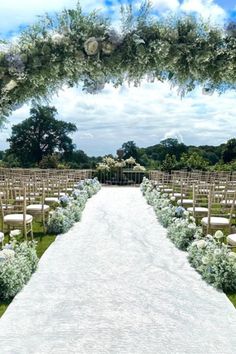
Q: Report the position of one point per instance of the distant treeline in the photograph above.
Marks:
(169, 154)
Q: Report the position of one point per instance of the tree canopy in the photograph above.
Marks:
(72, 47)
(40, 135)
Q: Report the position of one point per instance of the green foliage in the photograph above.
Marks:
(193, 162)
(72, 47)
(49, 161)
(40, 135)
(229, 151)
(169, 164)
(130, 150)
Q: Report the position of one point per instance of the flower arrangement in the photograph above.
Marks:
(182, 232)
(139, 168)
(70, 211)
(90, 51)
(214, 261)
(17, 263)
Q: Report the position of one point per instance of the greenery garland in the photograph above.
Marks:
(72, 47)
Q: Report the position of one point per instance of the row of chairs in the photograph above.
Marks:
(211, 202)
(26, 195)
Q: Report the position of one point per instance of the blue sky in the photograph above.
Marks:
(145, 114)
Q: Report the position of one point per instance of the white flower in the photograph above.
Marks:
(172, 198)
(15, 233)
(130, 161)
(139, 168)
(186, 213)
(217, 252)
(232, 255)
(7, 253)
(219, 234)
(205, 260)
(57, 38)
(91, 46)
(107, 47)
(1, 236)
(10, 86)
(201, 244)
(191, 226)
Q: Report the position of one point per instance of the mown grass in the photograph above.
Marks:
(43, 242)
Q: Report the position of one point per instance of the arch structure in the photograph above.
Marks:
(72, 47)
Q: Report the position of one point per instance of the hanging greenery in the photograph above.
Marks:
(71, 47)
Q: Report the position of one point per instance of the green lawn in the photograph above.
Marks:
(232, 298)
(44, 241)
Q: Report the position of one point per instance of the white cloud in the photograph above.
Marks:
(145, 114)
(207, 9)
(14, 13)
(159, 5)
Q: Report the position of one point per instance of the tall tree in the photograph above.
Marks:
(40, 135)
(130, 149)
(229, 151)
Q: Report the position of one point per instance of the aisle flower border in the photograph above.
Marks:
(71, 207)
(18, 261)
(207, 254)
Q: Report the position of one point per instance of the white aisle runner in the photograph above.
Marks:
(115, 284)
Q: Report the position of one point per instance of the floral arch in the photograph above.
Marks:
(72, 47)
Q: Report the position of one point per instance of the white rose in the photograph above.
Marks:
(15, 233)
(201, 244)
(205, 260)
(172, 199)
(107, 47)
(11, 85)
(57, 38)
(217, 252)
(219, 234)
(91, 46)
(7, 253)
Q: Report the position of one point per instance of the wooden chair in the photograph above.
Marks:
(200, 202)
(39, 209)
(15, 216)
(218, 221)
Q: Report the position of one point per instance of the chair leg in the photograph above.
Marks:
(31, 232)
(44, 225)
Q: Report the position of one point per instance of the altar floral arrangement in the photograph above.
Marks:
(17, 263)
(110, 164)
(70, 211)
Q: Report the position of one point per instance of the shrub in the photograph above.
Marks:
(17, 263)
(215, 262)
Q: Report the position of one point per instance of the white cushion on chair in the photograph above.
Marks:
(37, 207)
(227, 202)
(185, 202)
(198, 210)
(17, 218)
(231, 239)
(61, 194)
(216, 221)
(178, 195)
(21, 198)
(52, 200)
